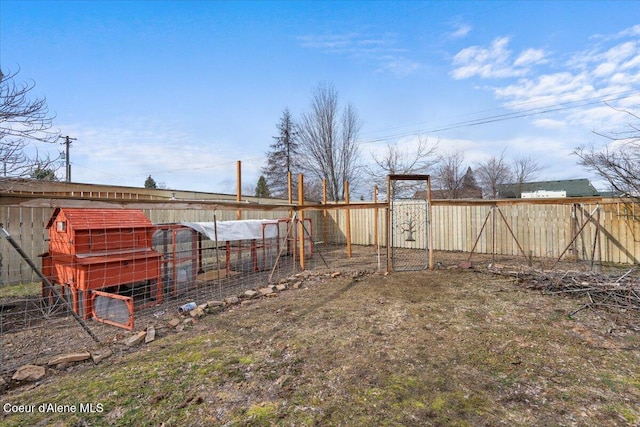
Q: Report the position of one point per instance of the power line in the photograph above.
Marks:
(513, 115)
(562, 106)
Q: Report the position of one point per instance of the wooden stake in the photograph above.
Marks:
(346, 199)
(429, 226)
(388, 222)
(239, 187)
(375, 217)
(325, 236)
(301, 218)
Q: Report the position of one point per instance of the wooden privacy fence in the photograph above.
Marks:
(602, 230)
(607, 230)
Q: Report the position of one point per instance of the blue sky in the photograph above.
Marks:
(181, 90)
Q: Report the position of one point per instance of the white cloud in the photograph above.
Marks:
(399, 65)
(629, 32)
(633, 63)
(530, 56)
(378, 48)
(329, 42)
(546, 89)
(570, 93)
(126, 153)
(460, 31)
(494, 61)
(606, 70)
(552, 124)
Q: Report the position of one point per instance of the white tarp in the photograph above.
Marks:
(236, 230)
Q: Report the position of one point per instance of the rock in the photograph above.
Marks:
(100, 355)
(250, 293)
(151, 335)
(135, 339)
(213, 304)
(297, 285)
(174, 322)
(265, 291)
(29, 373)
(336, 274)
(281, 287)
(196, 313)
(70, 357)
(161, 330)
(232, 300)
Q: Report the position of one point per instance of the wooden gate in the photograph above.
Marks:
(409, 220)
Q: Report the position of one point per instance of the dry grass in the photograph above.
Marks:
(447, 347)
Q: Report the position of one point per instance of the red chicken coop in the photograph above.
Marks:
(104, 261)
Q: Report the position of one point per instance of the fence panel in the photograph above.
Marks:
(542, 230)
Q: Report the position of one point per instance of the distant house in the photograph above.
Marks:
(542, 194)
(562, 188)
(465, 193)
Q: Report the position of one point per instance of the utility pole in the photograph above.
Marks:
(67, 142)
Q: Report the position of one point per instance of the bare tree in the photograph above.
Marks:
(23, 120)
(493, 173)
(419, 160)
(313, 190)
(523, 169)
(328, 141)
(619, 162)
(449, 175)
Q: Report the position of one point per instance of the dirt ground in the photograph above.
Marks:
(446, 347)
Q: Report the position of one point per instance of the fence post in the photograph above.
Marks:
(348, 218)
(375, 217)
(301, 218)
(325, 236)
(239, 188)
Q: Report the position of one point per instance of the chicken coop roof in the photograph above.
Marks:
(87, 218)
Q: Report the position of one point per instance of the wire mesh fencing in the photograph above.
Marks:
(76, 278)
(112, 267)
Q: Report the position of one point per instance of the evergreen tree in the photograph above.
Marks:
(469, 181)
(150, 183)
(262, 189)
(44, 174)
(283, 157)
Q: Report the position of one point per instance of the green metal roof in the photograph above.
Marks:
(573, 187)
